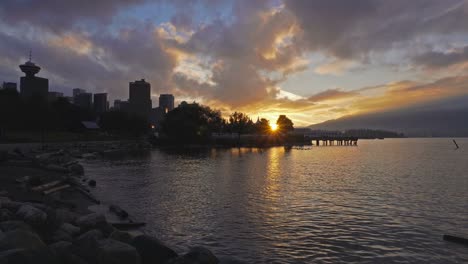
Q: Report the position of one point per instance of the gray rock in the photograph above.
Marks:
(94, 221)
(20, 239)
(121, 236)
(64, 251)
(34, 249)
(86, 245)
(76, 169)
(60, 235)
(92, 183)
(5, 215)
(14, 225)
(115, 252)
(196, 255)
(61, 246)
(65, 216)
(31, 215)
(70, 229)
(152, 250)
(94, 234)
(4, 199)
(11, 205)
(15, 256)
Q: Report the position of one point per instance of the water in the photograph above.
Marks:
(385, 201)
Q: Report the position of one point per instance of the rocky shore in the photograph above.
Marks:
(44, 216)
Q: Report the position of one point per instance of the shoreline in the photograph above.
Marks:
(50, 215)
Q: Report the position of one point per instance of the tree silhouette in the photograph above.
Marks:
(192, 123)
(263, 126)
(239, 123)
(284, 124)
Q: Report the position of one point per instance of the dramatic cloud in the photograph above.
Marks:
(436, 59)
(61, 15)
(332, 94)
(265, 57)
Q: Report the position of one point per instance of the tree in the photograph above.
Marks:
(284, 124)
(239, 123)
(263, 126)
(123, 123)
(192, 122)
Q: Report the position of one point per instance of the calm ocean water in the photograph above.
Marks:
(384, 201)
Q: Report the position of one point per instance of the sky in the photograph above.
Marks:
(313, 60)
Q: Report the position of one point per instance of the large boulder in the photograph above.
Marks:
(121, 236)
(10, 205)
(14, 225)
(65, 216)
(15, 256)
(151, 250)
(86, 245)
(65, 232)
(61, 235)
(20, 239)
(70, 229)
(115, 252)
(31, 215)
(94, 221)
(76, 169)
(196, 255)
(5, 215)
(63, 250)
(34, 249)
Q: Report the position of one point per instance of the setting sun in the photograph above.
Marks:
(273, 127)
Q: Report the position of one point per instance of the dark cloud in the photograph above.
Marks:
(354, 29)
(332, 94)
(60, 15)
(437, 59)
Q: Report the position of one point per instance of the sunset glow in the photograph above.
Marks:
(273, 127)
(267, 59)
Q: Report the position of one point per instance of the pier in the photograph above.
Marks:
(333, 140)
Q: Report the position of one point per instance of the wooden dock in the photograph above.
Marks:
(333, 140)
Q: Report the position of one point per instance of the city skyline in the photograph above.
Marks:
(264, 58)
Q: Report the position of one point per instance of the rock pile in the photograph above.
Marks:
(51, 231)
(35, 233)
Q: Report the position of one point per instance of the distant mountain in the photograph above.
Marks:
(444, 118)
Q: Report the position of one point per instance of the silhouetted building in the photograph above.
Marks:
(53, 96)
(100, 102)
(157, 116)
(120, 105)
(9, 86)
(77, 91)
(166, 102)
(140, 98)
(84, 100)
(30, 85)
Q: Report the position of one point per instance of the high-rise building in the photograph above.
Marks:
(9, 86)
(140, 98)
(84, 100)
(120, 105)
(76, 94)
(31, 85)
(100, 102)
(53, 96)
(166, 102)
(77, 91)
